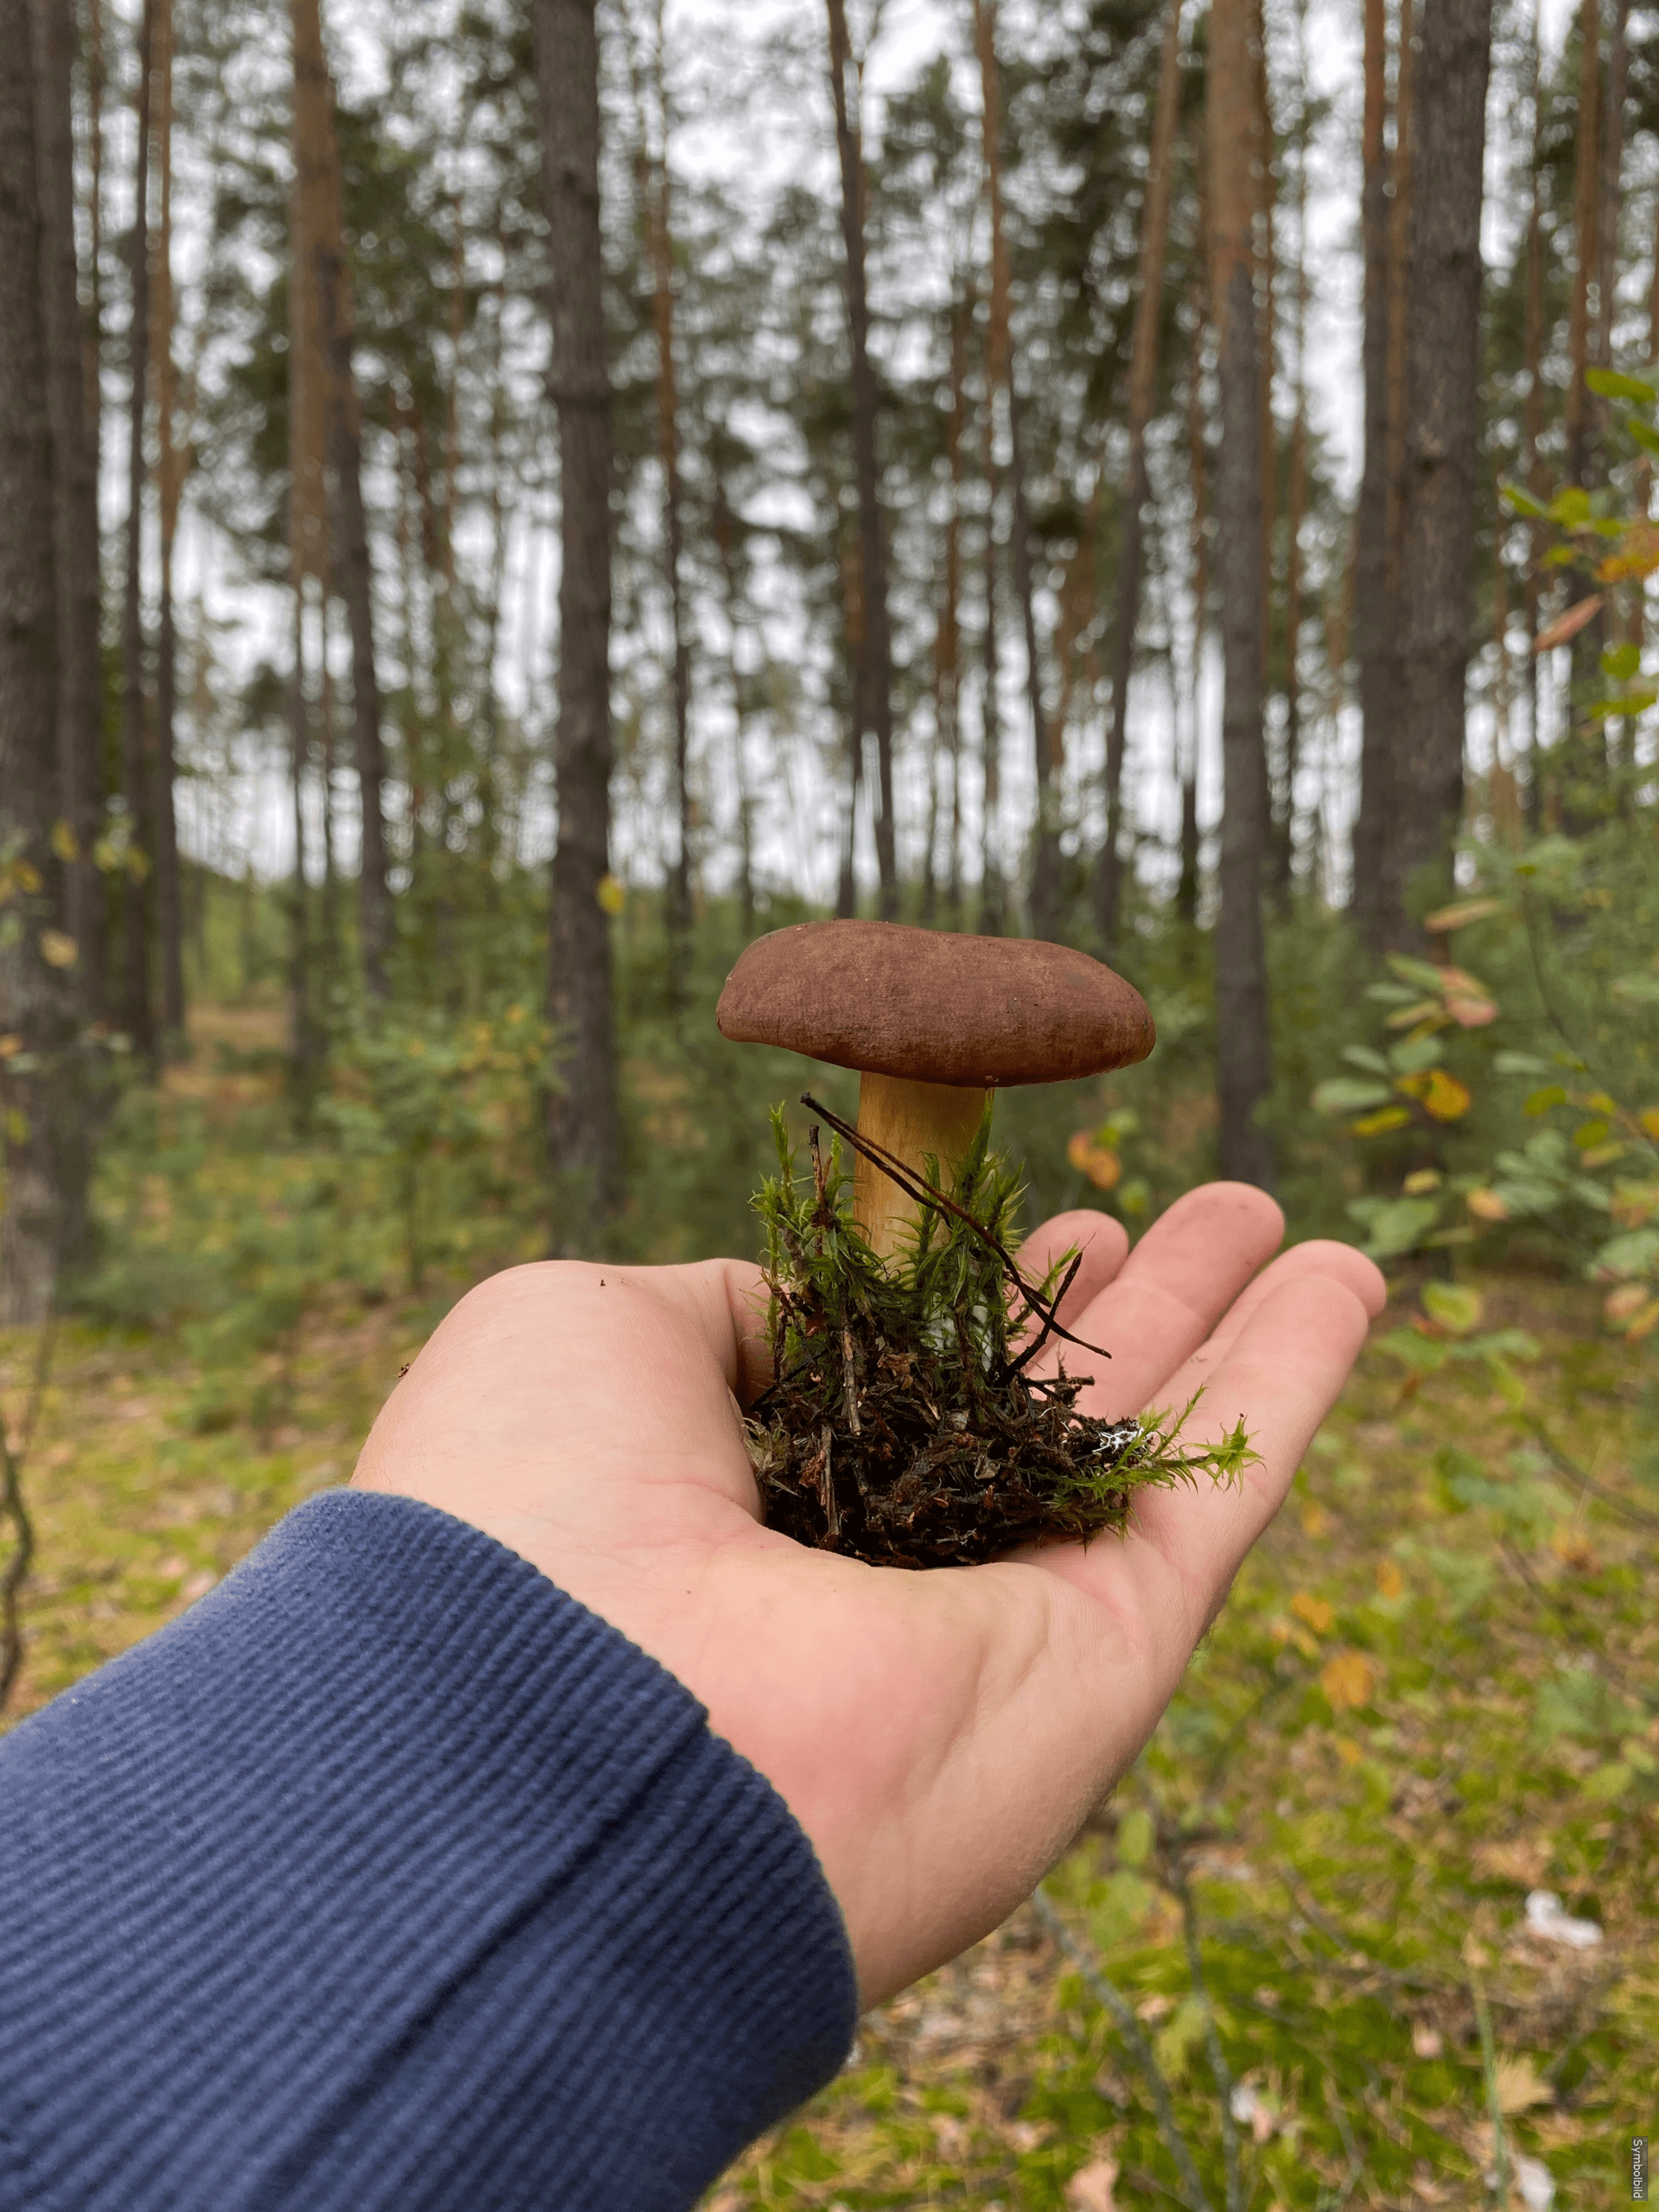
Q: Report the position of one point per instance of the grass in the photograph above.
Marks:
(1433, 1692)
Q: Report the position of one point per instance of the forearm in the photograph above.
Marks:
(390, 1876)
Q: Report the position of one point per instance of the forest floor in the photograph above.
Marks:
(1432, 1698)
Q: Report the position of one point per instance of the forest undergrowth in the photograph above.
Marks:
(1306, 1956)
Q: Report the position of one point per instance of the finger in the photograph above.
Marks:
(1280, 1377)
(1170, 1292)
(1320, 1260)
(1101, 1243)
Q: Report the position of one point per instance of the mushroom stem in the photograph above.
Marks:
(911, 1120)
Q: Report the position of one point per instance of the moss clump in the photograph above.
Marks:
(904, 1426)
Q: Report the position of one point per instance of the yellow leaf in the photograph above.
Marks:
(1347, 1678)
(11, 1042)
(25, 875)
(1346, 1749)
(1317, 1611)
(58, 950)
(1641, 1324)
(1440, 1095)
(1424, 1179)
(1389, 1580)
(64, 842)
(1650, 1121)
(610, 895)
(1315, 1518)
(1377, 1124)
(1487, 1205)
(1098, 1161)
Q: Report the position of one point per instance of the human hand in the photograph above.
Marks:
(941, 1736)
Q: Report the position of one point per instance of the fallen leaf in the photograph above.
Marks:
(1315, 1518)
(1317, 1611)
(1348, 1678)
(1090, 2188)
(1389, 1580)
(1487, 1205)
(1574, 1549)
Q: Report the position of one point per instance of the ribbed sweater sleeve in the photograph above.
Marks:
(390, 1876)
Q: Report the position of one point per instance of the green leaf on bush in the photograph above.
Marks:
(1399, 1226)
(1540, 1101)
(1454, 1305)
(1362, 1055)
(1620, 662)
(1518, 1063)
(1517, 496)
(1644, 433)
(1638, 990)
(1414, 1054)
(1612, 384)
(1348, 1094)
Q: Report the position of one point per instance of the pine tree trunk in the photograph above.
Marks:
(1245, 1072)
(993, 888)
(1045, 856)
(1442, 432)
(347, 559)
(36, 996)
(1143, 378)
(137, 1010)
(878, 689)
(1284, 840)
(582, 1124)
(654, 182)
(947, 641)
(1612, 178)
(1532, 430)
(1586, 236)
(75, 512)
(1376, 614)
(1187, 884)
(303, 1040)
(170, 478)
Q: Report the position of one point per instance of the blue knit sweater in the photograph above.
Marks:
(388, 1876)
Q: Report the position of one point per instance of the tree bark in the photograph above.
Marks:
(654, 199)
(1045, 854)
(582, 1123)
(993, 888)
(1143, 379)
(1245, 1071)
(1187, 884)
(1443, 426)
(1532, 430)
(1376, 616)
(346, 562)
(75, 508)
(1586, 235)
(138, 1008)
(36, 999)
(171, 468)
(1613, 179)
(876, 707)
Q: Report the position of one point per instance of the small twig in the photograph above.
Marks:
(1345, 2129)
(12, 1504)
(1494, 2103)
(1112, 1999)
(1175, 1875)
(1565, 1464)
(920, 1192)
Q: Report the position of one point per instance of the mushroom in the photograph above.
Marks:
(933, 1022)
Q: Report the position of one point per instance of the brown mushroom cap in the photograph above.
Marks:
(932, 1006)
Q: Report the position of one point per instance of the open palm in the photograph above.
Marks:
(942, 1735)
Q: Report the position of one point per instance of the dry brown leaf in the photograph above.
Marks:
(1091, 2189)
(1520, 2086)
(1568, 625)
(1525, 1860)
